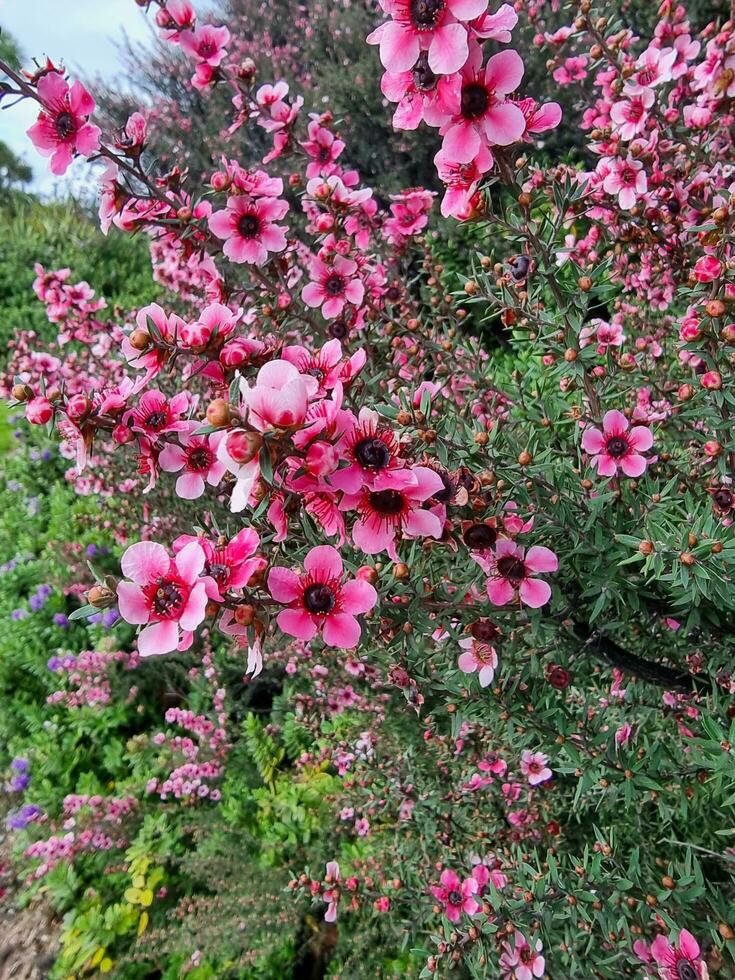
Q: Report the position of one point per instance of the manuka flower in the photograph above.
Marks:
(618, 447)
(62, 128)
(165, 595)
(320, 600)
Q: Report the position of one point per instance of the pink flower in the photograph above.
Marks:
(248, 228)
(534, 767)
(333, 286)
(382, 513)
(331, 895)
(627, 179)
(230, 564)
(62, 128)
(521, 961)
(480, 657)
(456, 896)
(157, 415)
(680, 962)
(631, 114)
(421, 94)
(164, 594)
(197, 458)
(206, 44)
(279, 397)
(461, 181)
(324, 148)
(431, 25)
(652, 68)
(617, 446)
(373, 453)
(319, 600)
(511, 572)
(573, 70)
(486, 116)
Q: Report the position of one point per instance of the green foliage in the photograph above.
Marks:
(60, 235)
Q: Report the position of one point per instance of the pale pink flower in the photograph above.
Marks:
(196, 460)
(480, 657)
(207, 44)
(627, 179)
(486, 114)
(534, 767)
(279, 398)
(521, 961)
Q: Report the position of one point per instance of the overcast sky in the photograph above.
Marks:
(82, 33)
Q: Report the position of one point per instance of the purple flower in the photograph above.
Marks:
(19, 614)
(21, 818)
(61, 620)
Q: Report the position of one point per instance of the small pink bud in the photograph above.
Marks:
(39, 410)
(321, 458)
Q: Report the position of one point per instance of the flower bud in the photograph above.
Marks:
(78, 406)
(218, 412)
(244, 446)
(711, 380)
(22, 392)
(122, 434)
(140, 339)
(39, 410)
(101, 597)
(321, 458)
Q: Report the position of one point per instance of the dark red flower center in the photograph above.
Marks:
(686, 970)
(207, 48)
(722, 498)
(324, 154)
(65, 125)
(475, 100)
(512, 568)
(393, 294)
(480, 536)
(167, 597)
(157, 419)
(200, 458)
(425, 14)
(484, 630)
(525, 954)
(455, 897)
(617, 447)
(248, 225)
(335, 285)
(372, 453)
(449, 489)
(319, 599)
(423, 77)
(219, 571)
(387, 502)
